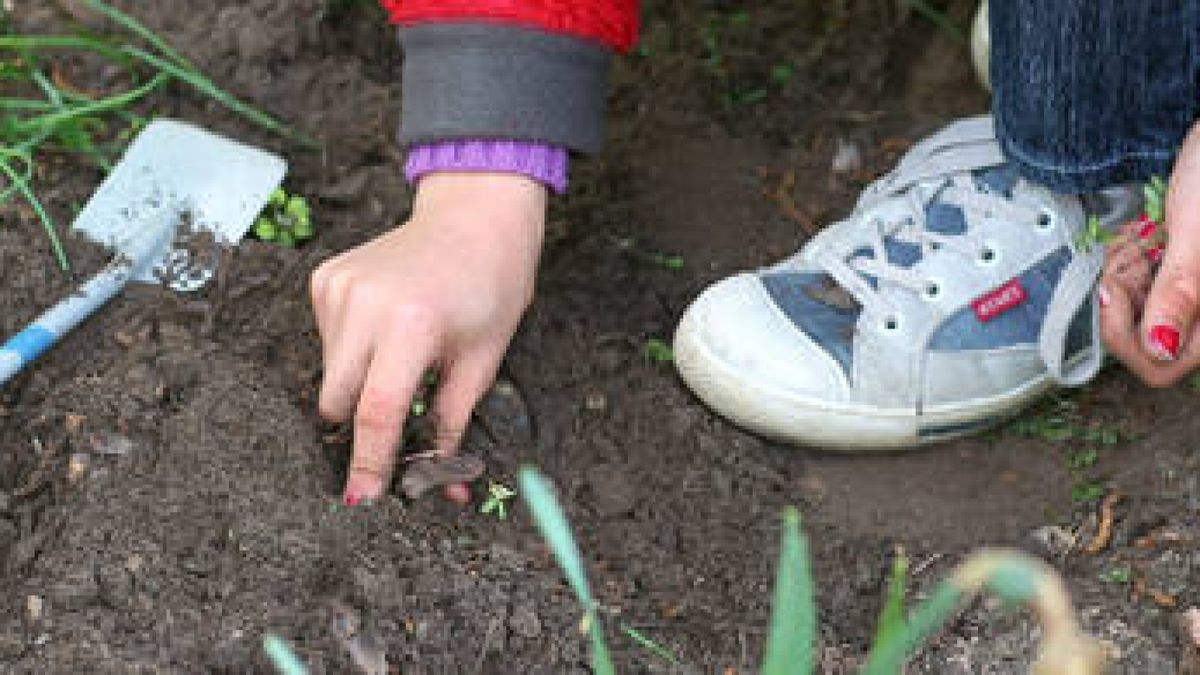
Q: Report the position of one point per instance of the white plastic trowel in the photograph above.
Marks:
(175, 180)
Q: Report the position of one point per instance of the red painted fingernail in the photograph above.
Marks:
(350, 499)
(1154, 254)
(1147, 229)
(1165, 341)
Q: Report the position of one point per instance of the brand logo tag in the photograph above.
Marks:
(996, 302)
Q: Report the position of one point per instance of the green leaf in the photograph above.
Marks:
(282, 656)
(658, 351)
(794, 612)
(265, 229)
(888, 657)
(892, 619)
(297, 208)
(535, 491)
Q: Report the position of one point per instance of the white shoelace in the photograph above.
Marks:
(946, 160)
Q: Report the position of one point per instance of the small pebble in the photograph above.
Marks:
(847, 158)
(35, 608)
(77, 467)
(596, 401)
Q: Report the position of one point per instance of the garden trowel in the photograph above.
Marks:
(175, 185)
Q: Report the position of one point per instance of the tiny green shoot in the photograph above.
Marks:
(1086, 492)
(1117, 575)
(658, 351)
(497, 500)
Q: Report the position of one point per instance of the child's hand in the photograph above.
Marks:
(1157, 337)
(447, 289)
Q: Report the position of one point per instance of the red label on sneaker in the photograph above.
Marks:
(994, 303)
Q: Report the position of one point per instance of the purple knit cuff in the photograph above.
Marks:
(542, 162)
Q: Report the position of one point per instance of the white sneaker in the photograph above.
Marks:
(951, 297)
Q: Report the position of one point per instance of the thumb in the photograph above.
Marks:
(1171, 306)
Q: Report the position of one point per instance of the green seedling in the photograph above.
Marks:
(1011, 575)
(285, 220)
(497, 500)
(39, 115)
(1083, 459)
(1086, 492)
(665, 260)
(658, 351)
(1117, 575)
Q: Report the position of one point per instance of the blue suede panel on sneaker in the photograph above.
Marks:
(833, 327)
(829, 326)
(1019, 325)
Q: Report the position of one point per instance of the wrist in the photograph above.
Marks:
(500, 200)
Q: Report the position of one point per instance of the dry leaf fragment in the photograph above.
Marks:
(429, 471)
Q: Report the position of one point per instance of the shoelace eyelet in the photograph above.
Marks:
(987, 256)
(933, 290)
(1045, 221)
(891, 324)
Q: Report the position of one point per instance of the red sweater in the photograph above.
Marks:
(613, 23)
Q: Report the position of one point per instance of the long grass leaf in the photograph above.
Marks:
(137, 28)
(794, 613)
(282, 656)
(42, 42)
(646, 643)
(891, 619)
(888, 656)
(23, 187)
(107, 104)
(208, 88)
(552, 523)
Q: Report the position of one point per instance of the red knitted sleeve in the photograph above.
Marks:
(611, 22)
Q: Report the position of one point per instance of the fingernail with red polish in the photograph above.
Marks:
(351, 499)
(1155, 254)
(1164, 340)
(1147, 229)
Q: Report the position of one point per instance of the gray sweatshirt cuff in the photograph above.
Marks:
(485, 80)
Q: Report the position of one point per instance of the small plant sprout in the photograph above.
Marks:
(285, 220)
(497, 500)
(659, 351)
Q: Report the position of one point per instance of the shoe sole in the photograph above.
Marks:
(794, 419)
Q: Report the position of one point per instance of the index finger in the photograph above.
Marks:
(392, 379)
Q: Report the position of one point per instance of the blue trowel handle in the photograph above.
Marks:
(56, 322)
(139, 251)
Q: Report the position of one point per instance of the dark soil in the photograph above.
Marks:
(203, 510)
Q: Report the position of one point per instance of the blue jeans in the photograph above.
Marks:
(1091, 93)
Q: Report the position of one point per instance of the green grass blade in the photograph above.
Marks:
(888, 657)
(107, 104)
(892, 620)
(552, 523)
(601, 660)
(137, 28)
(206, 86)
(43, 42)
(25, 104)
(794, 613)
(648, 644)
(282, 656)
(938, 19)
(22, 187)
